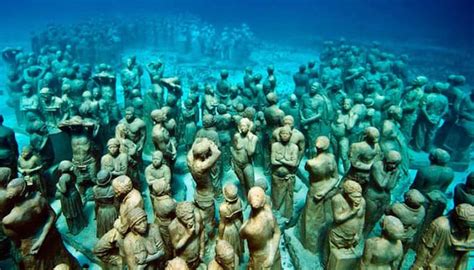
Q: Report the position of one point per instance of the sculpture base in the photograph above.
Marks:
(300, 257)
(344, 259)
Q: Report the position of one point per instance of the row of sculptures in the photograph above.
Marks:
(344, 132)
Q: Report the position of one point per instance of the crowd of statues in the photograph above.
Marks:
(345, 132)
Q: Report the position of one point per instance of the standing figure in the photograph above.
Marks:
(164, 207)
(386, 251)
(291, 107)
(157, 170)
(161, 137)
(231, 218)
(411, 213)
(71, 203)
(105, 206)
(284, 161)
(323, 179)
(30, 224)
(114, 161)
(189, 113)
(129, 198)
(224, 126)
(142, 246)
(8, 148)
(201, 159)
(464, 193)
(136, 131)
(243, 148)
(51, 108)
(262, 233)
(384, 176)
(29, 103)
(349, 211)
(296, 136)
(447, 241)
(410, 105)
(187, 234)
(31, 168)
(301, 80)
(129, 148)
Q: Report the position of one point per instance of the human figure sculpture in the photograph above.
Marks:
(301, 80)
(314, 114)
(210, 101)
(142, 246)
(5, 206)
(447, 241)
(130, 77)
(161, 137)
(262, 233)
(136, 130)
(29, 102)
(189, 115)
(296, 136)
(51, 108)
(243, 148)
(433, 107)
(333, 71)
(201, 160)
(291, 107)
(362, 156)
(323, 179)
(31, 168)
(464, 193)
(349, 211)
(157, 170)
(222, 86)
(82, 132)
(129, 148)
(433, 182)
(284, 161)
(105, 206)
(384, 176)
(129, 198)
(71, 202)
(33, 75)
(30, 224)
(341, 129)
(223, 122)
(225, 258)
(114, 161)
(410, 105)
(176, 264)
(411, 213)
(385, 251)
(164, 207)
(187, 234)
(231, 218)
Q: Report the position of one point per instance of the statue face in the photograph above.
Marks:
(355, 198)
(157, 160)
(285, 136)
(257, 200)
(141, 226)
(244, 128)
(347, 105)
(129, 115)
(113, 149)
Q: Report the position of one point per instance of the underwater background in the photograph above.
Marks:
(437, 35)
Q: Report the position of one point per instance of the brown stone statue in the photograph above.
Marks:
(386, 251)
(323, 179)
(225, 258)
(5, 206)
(8, 148)
(161, 137)
(464, 193)
(105, 206)
(284, 161)
(176, 264)
(296, 136)
(114, 162)
(348, 209)
(164, 207)
(136, 130)
(262, 233)
(411, 213)
(187, 234)
(447, 241)
(231, 218)
(129, 199)
(384, 176)
(71, 202)
(129, 148)
(202, 158)
(157, 170)
(362, 156)
(30, 224)
(31, 168)
(142, 246)
(243, 148)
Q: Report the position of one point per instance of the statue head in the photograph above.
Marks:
(208, 121)
(464, 215)
(244, 125)
(322, 144)
(261, 182)
(315, 88)
(160, 188)
(270, 70)
(272, 98)
(27, 89)
(456, 80)
(157, 158)
(221, 108)
(392, 160)
(158, 116)
(347, 104)
(113, 145)
(248, 70)
(414, 199)
(103, 178)
(371, 135)
(16, 189)
(293, 99)
(202, 149)
(256, 197)
(334, 62)
(138, 220)
(225, 255)
(185, 213)
(395, 112)
(122, 185)
(230, 192)
(224, 74)
(439, 157)
(302, 69)
(392, 228)
(176, 264)
(311, 64)
(353, 192)
(129, 114)
(26, 151)
(65, 166)
(285, 134)
(288, 120)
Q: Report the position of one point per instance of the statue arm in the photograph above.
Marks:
(341, 215)
(315, 117)
(274, 242)
(252, 145)
(367, 257)
(46, 228)
(216, 153)
(273, 158)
